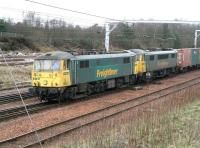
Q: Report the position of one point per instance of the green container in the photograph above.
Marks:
(195, 56)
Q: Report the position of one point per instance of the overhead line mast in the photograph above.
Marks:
(109, 30)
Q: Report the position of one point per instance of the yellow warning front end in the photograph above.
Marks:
(50, 73)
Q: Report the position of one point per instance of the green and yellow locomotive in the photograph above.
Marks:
(67, 76)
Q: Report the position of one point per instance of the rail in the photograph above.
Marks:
(18, 111)
(27, 140)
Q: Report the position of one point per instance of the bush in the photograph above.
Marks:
(12, 43)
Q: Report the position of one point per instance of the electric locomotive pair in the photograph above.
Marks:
(68, 76)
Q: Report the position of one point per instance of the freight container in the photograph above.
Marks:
(195, 56)
(198, 51)
(184, 58)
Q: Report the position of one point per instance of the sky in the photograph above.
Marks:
(116, 9)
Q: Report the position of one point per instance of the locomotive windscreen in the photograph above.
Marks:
(47, 65)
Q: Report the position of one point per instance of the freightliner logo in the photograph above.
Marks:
(107, 72)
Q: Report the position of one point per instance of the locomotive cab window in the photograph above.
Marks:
(126, 60)
(55, 64)
(37, 65)
(162, 56)
(84, 64)
(46, 65)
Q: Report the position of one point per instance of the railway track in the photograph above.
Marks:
(16, 63)
(12, 87)
(9, 86)
(29, 139)
(10, 94)
(17, 60)
(15, 97)
(16, 57)
(17, 111)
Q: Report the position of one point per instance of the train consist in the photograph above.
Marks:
(68, 76)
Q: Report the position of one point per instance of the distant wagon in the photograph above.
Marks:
(188, 58)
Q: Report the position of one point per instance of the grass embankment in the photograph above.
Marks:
(21, 73)
(178, 129)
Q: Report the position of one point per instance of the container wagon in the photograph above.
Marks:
(187, 58)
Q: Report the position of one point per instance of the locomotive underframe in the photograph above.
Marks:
(86, 89)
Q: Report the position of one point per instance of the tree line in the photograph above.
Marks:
(58, 33)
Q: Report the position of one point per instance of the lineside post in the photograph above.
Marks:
(195, 38)
(107, 36)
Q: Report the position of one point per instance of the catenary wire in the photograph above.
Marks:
(74, 11)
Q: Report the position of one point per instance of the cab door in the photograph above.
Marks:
(140, 65)
(66, 79)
